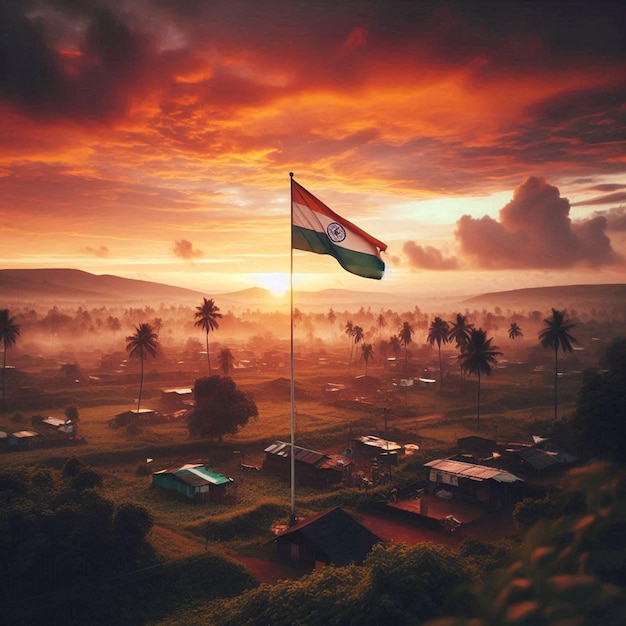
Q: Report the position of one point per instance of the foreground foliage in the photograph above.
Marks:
(70, 556)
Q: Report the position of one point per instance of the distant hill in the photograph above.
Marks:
(69, 286)
(581, 297)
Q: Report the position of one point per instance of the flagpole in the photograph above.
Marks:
(292, 519)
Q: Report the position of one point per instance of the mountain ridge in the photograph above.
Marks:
(65, 286)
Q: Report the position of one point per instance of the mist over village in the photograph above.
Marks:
(312, 313)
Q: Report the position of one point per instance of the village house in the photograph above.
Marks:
(330, 538)
(312, 469)
(195, 482)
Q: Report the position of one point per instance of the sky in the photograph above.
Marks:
(483, 142)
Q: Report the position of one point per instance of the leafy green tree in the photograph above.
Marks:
(367, 353)
(221, 408)
(71, 413)
(598, 427)
(143, 342)
(556, 334)
(478, 358)
(9, 332)
(438, 333)
(207, 316)
(226, 360)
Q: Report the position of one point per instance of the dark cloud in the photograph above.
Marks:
(428, 258)
(615, 218)
(611, 198)
(101, 251)
(185, 250)
(91, 74)
(608, 187)
(534, 231)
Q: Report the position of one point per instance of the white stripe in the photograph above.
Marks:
(305, 217)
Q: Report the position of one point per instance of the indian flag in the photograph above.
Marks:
(315, 228)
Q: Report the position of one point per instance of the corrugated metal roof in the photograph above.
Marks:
(197, 475)
(302, 455)
(472, 471)
(377, 442)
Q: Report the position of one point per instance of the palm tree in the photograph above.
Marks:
(206, 316)
(396, 345)
(406, 337)
(460, 332)
(477, 358)
(332, 318)
(367, 353)
(358, 335)
(556, 334)
(349, 331)
(515, 331)
(9, 332)
(382, 324)
(227, 360)
(438, 332)
(144, 341)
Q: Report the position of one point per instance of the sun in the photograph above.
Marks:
(276, 282)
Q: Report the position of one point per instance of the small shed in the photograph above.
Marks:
(23, 439)
(374, 447)
(177, 398)
(59, 426)
(312, 468)
(194, 481)
(491, 486)
(134, 416)
(330, 538)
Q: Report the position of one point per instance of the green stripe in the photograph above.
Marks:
(359, 263)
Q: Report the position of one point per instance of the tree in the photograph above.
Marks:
(460, 332)
(143, 342)
(221, 408)
(557, 334)
(598, 428)
(71, 413)
(381, 322)
(357, 336)
(9, 332)
(367, 353)
(515, 331)
(477, 358)
(227, 361)
(396, 345)
(349, 331)
(406, 337)
(332, 318)
(206, 316)
(438, 333)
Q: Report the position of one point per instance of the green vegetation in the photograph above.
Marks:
(165, 562)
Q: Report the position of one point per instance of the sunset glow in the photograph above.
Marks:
(482, 142)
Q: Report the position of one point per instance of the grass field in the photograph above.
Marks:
(512, 407)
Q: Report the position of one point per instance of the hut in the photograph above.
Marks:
(194, 482)
(493, 487)
(24, 439)
(141, 416)
(313, 469)
(330, 538)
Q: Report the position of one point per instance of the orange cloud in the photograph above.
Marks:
(185, 250)
(428, 258)
(535, 231)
